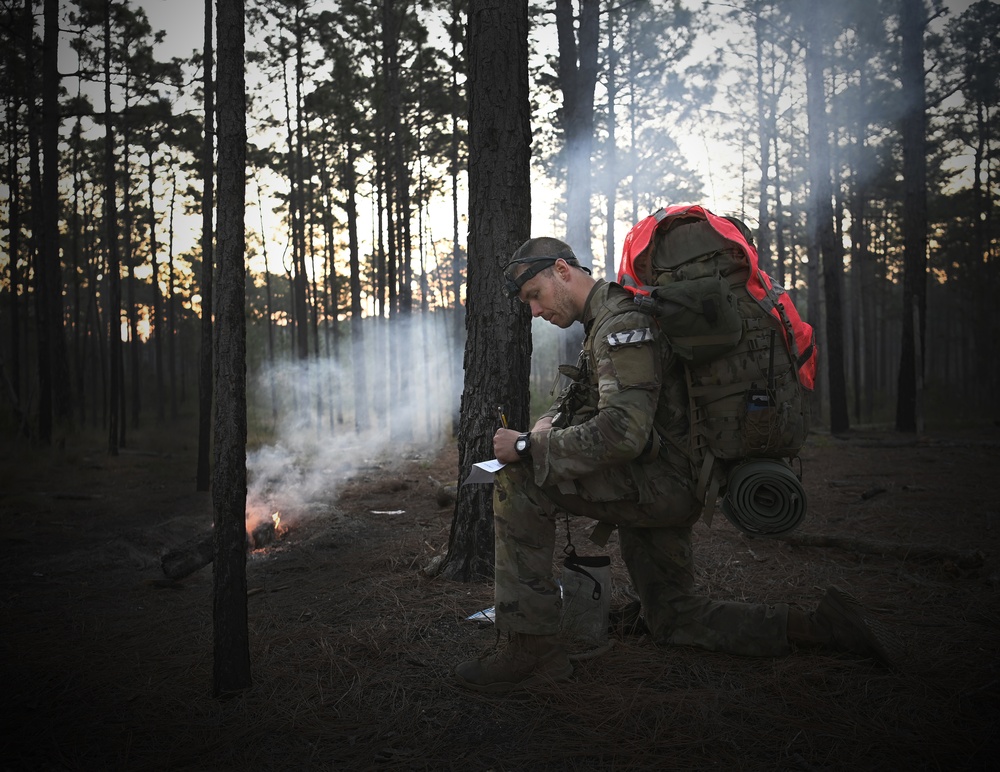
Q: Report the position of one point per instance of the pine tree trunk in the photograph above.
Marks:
(359, 365)
(114, 262)
(231, 671)
(821, 226)
(498, 348)
(913, 123)
(205, 356)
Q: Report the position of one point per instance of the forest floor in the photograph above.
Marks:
(107, 666)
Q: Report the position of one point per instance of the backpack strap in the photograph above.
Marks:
(707, 489)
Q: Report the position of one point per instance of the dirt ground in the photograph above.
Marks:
(107, 666)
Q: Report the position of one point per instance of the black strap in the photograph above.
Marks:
(574, 563)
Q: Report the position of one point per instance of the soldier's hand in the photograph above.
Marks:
(503, 445)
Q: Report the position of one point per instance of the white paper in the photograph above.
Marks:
(483, 471)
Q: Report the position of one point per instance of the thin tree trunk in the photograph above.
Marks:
(114, 262)
(171, 302)
(764, 144)
(913, 129)
(39, 242)
(14, 243)
(577, 69)
(349, 179)
(58, 358)
(207, 264)
(821, 226)
(611, 160)
(297, 195)
(158, 321)
(132, 305)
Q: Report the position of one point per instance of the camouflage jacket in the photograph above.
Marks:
(623, 421)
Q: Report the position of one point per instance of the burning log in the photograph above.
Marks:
(263, 534)
(198, 552)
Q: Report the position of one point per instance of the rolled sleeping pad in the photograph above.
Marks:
(764, 498)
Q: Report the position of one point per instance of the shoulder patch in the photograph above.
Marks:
(630, 337)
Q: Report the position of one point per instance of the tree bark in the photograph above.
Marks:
(498, 348)
(229, 484)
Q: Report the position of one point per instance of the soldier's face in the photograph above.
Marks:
(549, 297)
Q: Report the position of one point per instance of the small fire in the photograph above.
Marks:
(263, 529)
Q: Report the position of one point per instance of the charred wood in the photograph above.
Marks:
(198, 552)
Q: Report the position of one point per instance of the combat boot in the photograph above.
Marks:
(841, 622)
(522, 661)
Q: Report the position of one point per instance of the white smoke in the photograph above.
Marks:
(312, 408)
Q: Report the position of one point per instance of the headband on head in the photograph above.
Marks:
(536, 264)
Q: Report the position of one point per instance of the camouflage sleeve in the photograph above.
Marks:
(627, 365)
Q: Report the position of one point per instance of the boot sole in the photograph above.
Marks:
(882, 644)
(502, 687)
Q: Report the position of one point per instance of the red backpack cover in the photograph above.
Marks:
(797, 334)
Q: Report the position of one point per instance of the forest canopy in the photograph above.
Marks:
(861, 148)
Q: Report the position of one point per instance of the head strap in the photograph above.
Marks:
(536, 265)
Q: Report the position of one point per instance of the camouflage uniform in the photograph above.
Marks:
(616, 454)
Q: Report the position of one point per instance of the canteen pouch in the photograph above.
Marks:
(586, 588)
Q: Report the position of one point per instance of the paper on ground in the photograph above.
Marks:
(483, 471)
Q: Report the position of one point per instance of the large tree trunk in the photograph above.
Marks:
(498, 348)
(912, 21)
(229, 486)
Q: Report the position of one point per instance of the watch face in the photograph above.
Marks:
(521, 444)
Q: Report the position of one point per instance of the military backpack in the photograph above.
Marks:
(749, 358)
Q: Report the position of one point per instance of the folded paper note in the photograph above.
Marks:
(483, 471)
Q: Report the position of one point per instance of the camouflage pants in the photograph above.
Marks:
(656, 548)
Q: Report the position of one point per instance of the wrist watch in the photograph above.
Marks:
(523, 445)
